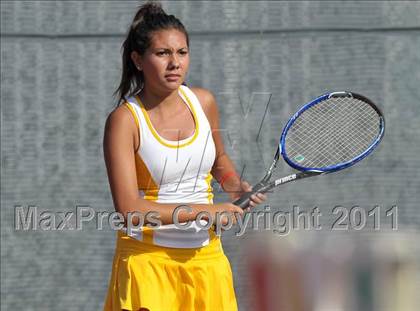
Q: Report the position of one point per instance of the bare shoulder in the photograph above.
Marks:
(207, 100)
(120, 118)
(120, 127)
(203, 94)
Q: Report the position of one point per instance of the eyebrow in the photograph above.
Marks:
(168, 49)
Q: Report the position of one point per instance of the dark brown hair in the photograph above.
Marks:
(150, 17)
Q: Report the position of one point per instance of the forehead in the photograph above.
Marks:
(168, 38)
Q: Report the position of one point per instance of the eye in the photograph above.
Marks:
(162, 53)
(183, 52)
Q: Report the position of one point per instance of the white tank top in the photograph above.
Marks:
(174, 172)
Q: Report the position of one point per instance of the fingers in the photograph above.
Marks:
(262, 197)
(246, 187)
(257, 198)
(238, 210)
(233, 212)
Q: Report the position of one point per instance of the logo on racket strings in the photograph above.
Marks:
(299, 158)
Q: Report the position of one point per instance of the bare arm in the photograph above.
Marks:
(120, 142)
(223, 165)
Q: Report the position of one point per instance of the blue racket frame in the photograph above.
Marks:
(333, 168)
(265, 184)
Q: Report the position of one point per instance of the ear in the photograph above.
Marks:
(136, 58)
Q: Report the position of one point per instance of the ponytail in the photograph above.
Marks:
(149, 18)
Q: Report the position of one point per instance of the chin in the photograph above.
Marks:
(172, 86)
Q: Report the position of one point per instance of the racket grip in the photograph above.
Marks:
(243, 201)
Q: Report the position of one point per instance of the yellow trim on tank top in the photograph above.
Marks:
(210, 194)
(146, 183)
(133, 113)
(157, 136)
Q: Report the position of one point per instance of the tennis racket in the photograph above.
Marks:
(328, 134)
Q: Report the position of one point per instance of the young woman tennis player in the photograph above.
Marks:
(162, 149)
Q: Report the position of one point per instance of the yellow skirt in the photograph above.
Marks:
(165, 279)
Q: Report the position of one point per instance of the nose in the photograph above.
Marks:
(174, 61)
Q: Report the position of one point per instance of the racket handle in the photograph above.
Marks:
(243, 201)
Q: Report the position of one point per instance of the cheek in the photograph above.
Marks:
(186, 63)
(154, 67)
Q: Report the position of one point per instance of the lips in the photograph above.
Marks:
(172, 77)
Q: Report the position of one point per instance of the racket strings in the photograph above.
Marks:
(332, 132)
(323, 131)
(332, 147)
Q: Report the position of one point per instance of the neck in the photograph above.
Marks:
(153, 99)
